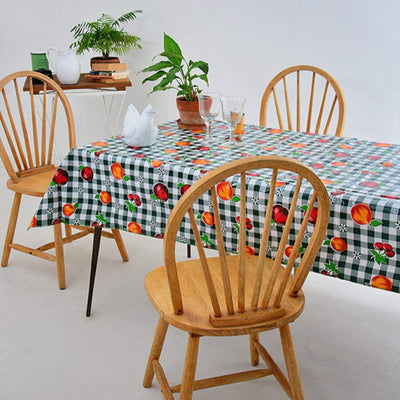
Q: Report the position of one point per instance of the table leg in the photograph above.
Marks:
(93, 267)
(111, 129)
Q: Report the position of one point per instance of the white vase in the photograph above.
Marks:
(65, 64)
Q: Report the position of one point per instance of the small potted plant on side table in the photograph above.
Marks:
(105, 36)
(175, 72)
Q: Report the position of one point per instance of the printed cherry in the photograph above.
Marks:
(135, 198)
(249, 226)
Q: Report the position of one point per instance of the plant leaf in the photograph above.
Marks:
(154, 77)
(158, 66)
(171, 47)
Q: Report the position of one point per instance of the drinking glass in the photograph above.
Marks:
(209, 104)
(232, 112)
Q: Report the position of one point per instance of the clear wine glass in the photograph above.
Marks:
(232, 113)
(209, 104)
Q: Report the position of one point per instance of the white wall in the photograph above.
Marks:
(245, 42)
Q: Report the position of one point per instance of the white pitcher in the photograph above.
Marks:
(66, 65)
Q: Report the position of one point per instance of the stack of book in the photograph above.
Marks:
(109, 72)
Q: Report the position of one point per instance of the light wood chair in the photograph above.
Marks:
(242, 294)
(27, 147)
(298, 88)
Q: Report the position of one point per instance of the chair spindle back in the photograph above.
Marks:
(331, 101)
(28, 128)
(268, 276)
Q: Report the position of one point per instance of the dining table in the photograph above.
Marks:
(109, 184)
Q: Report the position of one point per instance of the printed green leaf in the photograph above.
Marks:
(375, 223)
(327, 242)
(131, 207)
(52, 183)
(126, 178)
(153, 196)
(199, 216)
(235, 199)
(237, 227)
(304, 208)
(332, 267)
(76, 205)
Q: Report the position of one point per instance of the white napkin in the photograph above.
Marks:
(139, 129)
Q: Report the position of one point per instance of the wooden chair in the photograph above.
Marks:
(304, 82)
(240, 294)
(27, 147)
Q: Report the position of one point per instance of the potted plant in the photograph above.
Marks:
(175, 72)
(105, 36)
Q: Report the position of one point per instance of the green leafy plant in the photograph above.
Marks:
(105, 35)
(176, 72)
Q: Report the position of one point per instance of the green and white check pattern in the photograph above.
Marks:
(362, 178)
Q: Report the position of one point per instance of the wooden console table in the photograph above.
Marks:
(85, 87)
(83, 84)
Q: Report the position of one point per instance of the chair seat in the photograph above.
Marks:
(33, 185)
(197, 304)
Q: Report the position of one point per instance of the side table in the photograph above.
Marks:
(88, 87)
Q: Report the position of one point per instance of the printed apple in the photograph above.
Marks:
(313, 216)
(86, 173)
(183, 189)
(60, 177)
(160, 191)
(279, 214)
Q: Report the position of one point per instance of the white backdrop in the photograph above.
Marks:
(245, 42)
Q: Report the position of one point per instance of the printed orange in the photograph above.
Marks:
(201, 161)
(117, 171)
(134, 227)
(100, 144)
(361, 214)
(225, 190)
(382, 282)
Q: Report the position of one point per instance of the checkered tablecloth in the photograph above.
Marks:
(134, 189)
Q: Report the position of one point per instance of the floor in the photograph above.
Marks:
(347, 340)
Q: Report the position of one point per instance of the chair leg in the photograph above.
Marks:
(68, 231)
(120, 244)
(189, 369)
(12, 223)
(59, 249)
(291, 363)
(155, 351)
(254, 356)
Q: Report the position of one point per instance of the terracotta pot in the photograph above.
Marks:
(100, 60)
(189, 114)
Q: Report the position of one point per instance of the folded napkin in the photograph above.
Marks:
(139, 129)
